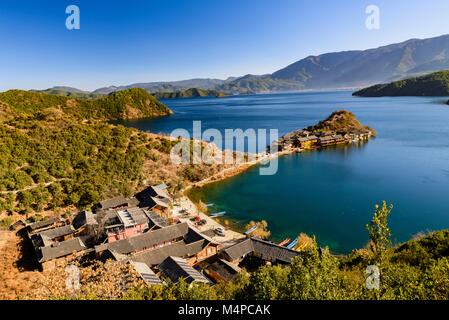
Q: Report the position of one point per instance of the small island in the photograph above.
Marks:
(339, 128)
(435, 84)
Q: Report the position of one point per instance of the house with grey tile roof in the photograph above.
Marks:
(113, 203)
(59, 233)
(263, 249)
(60, 249)
(146, 273)
(222, 270)
(155, 220)
(176, 268)
(45, 224)
(148, 240)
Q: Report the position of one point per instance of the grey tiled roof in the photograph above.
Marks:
(153, 201)
(61, 249)
(58, 232)
(132, 216)
(44, 223)
(114, 202)
(176, 268)
(156, 219)
(177, 249)
(146, 273)
(263, 248)
(146, 240)
(240, 249)
(84, 218)
(224, 269)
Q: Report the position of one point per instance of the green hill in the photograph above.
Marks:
(190, 93)
(127, 104)
(259, 84)
(435, 84)
(341, 120)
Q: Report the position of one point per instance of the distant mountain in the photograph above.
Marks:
(74, 94)
(354, 68)
(190, 93)
(259, 84)
(435, 84)
(170, 86)
(337, 70)
(68, 89)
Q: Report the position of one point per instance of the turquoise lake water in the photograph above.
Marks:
(331, 193)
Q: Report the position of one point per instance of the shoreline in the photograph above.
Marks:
(187, 204)
(229, 173)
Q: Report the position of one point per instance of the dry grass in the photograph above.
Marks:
(17, 276)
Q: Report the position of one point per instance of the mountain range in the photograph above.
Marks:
(337, 70)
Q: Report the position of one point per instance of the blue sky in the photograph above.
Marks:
(123, 42)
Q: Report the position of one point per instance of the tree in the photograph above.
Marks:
(261, 231)
(379, 232)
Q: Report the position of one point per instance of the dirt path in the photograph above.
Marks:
(32, 187)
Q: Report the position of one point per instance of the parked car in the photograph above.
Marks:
(219, 231)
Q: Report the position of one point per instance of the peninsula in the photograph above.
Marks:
(435, 84)
(339, 128)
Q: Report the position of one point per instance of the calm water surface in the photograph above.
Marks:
(331, 193)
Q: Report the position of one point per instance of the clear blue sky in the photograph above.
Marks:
(123, 42)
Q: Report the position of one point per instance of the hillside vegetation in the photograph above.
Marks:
(127, 104)
(341, 121)
(190, 93)
(435, 84)
(58, 152)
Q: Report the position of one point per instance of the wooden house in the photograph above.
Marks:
(222, 270)
(264, 250)
(176, 268)
(129, 223)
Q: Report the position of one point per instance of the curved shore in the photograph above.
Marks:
(187, 205)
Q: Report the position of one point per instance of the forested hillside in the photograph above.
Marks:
(57, 152)
(127, 104)
(435, 84)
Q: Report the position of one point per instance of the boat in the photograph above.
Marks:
(291, 245)
(250, 230)
(218, 214)
(283, 243)
(208, 205)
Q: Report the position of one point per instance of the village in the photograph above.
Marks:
(159, 236)
(303, 139)
(165, 236)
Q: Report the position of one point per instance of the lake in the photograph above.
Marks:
(331, 193)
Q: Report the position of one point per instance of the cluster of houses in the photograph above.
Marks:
(306, 140)
(139, 231)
